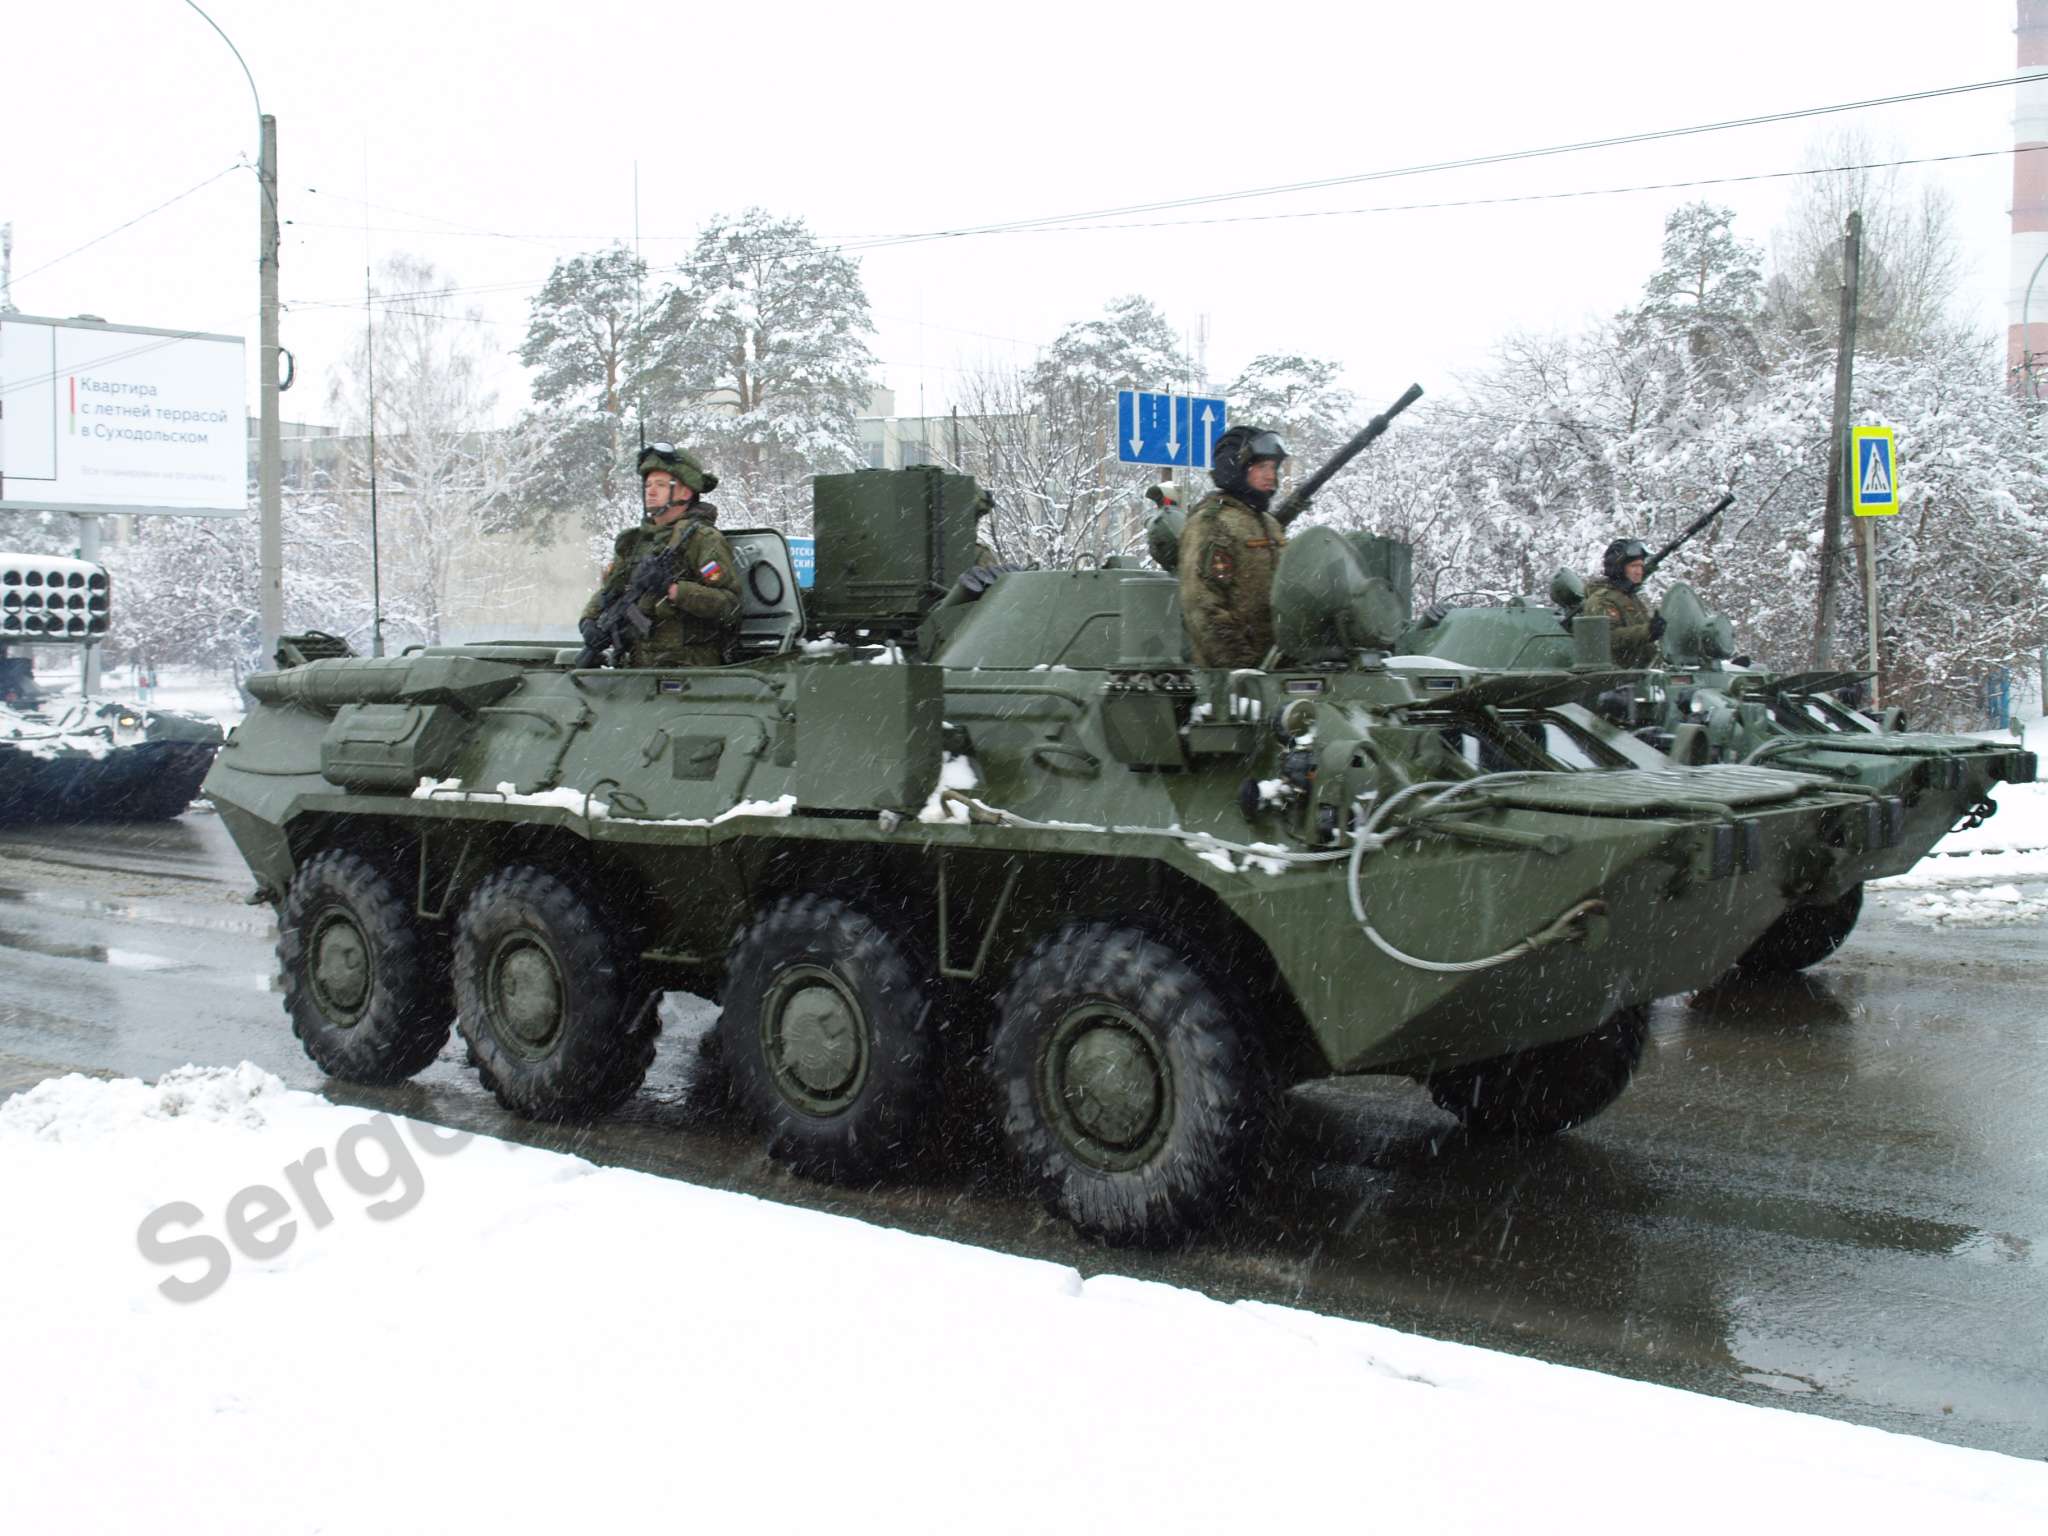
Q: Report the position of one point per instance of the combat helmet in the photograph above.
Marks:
(1614, 560)
(1240, 448)
(681, 463)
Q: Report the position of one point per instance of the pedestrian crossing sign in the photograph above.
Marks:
(1874, 466)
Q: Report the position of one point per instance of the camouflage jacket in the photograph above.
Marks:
(1628, 621)
(693, 629)
(1227, 556)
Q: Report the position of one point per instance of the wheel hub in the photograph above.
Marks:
(341, 967)
(816, 1039)
(526, 992)
(1107, 1085)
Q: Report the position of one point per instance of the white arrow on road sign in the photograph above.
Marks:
(1208, 436)
(1172, 430)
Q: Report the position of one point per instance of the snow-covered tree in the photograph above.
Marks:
(1705, 300)
(1908, 269)
(759, 361)
(587, 342)
(447, 484)
(1043, 440)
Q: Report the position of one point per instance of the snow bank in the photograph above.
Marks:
(2012, 845)
(485, 1333)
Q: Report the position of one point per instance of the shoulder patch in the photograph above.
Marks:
(1222, 566)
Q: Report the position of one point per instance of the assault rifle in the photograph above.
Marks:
(1650, 565)
(623, 620)
(1298, 499)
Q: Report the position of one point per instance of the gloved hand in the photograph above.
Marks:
(592, 635)
(1435, 614)
(1657, 626)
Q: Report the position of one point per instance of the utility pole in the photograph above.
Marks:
(6, 269)
(1831, 520)
(270, 505)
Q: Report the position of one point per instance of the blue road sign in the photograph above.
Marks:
(1875, 491)
(1172, 430)
(803, 558)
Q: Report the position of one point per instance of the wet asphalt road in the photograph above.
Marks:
(1827, 1194)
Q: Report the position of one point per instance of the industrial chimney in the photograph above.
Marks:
(2027, 304)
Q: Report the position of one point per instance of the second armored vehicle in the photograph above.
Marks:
(83, 759)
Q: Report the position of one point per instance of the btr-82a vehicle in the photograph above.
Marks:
(1699, 705)
(83, 759)
(917, 823)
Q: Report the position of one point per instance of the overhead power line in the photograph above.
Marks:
(159, 208)
(864, 243)
(1545, 197)
(1469, 162)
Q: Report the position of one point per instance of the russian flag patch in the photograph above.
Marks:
(712, 571)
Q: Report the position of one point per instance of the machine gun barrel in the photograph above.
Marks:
(1298, 499)
(1651, 564)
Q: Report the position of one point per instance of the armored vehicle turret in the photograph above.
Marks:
(915, 823)
(83, 759)
(1702, 706)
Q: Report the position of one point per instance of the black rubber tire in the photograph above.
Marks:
(1804, 936)
(1109, 1005)
(585, 1048)
(864, 995)
(1527, 1095)
(365, 984)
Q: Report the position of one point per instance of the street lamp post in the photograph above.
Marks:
(2026, 349)
(269, 446)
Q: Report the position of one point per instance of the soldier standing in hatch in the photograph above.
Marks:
(698, 615)
(1614, 595)
(1228, 552)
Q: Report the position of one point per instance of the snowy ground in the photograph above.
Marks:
(416, 1335)
(1989, 875)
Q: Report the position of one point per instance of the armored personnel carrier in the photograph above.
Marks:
(1700, 706)
(916, 823)
(83, 759)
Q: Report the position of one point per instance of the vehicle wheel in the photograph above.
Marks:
(1803, 936)
(1548, 1088)
(366, 987)
(549, 998)
(827, 1036)
(1129, 1092)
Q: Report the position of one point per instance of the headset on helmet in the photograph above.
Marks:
(1614, 561)
(1240, 448)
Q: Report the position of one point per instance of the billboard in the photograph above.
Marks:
(105, 418)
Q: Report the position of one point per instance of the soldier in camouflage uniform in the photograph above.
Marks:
(1613, 594)
(984, 507)
(699, 614)
(1228, 552)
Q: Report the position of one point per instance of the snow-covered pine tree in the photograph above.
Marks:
(758, 360)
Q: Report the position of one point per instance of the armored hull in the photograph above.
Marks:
(91, 759)
(1699, 708)
(910, 840)
(102, 761)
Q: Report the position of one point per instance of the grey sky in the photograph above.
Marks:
(495, 137)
